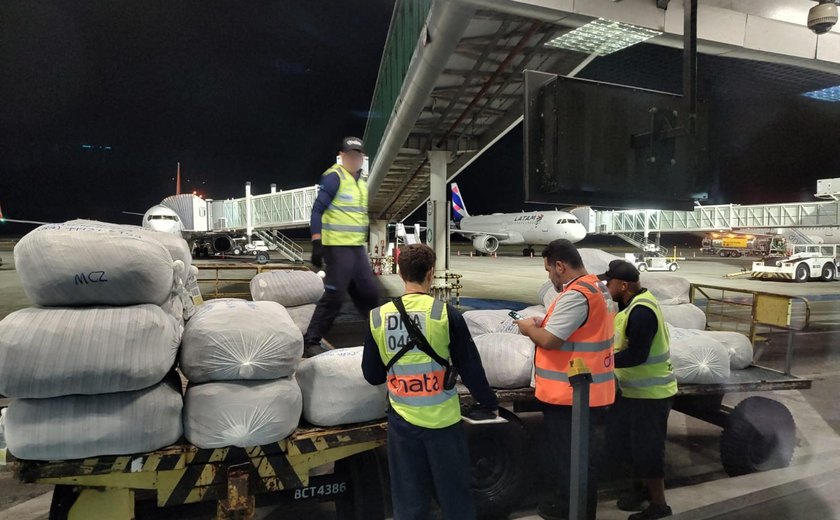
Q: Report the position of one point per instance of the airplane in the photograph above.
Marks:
(531, 228)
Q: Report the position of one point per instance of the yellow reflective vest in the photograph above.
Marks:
(653, 379)
(345, 221)
(415, 382)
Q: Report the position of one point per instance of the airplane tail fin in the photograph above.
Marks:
(459, 210)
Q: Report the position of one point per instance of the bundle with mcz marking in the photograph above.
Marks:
(51, 352)
(88, 264)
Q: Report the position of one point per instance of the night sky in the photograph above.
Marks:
(100, 99)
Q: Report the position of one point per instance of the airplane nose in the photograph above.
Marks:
(578, 234)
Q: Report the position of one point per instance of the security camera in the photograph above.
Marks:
(822, 17)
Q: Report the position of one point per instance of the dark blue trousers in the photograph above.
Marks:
(347, 272)
(428, 463)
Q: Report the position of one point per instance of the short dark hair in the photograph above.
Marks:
(561, 250)
(415, 261)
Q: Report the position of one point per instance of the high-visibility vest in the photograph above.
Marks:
(653, 379)
(592, 342)
(345, 221)
(415, 382)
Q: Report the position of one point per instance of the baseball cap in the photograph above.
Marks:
(621, 270)
(352, 143)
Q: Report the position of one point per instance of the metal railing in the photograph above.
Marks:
(407, 22)
(282, 244)
(753, 313)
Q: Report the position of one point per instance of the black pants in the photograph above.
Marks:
(558, 421)
(426, 463)
(636, 433)
(348, 272)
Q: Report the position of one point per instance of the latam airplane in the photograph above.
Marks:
(532, 228)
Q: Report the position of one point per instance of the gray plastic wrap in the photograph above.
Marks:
(335, 391)
(302, 315)
(738, 345)
(241, 413)
(50, 352)
(79, 265)
(287, 287)
(231, 339)
(80, 426)
(698, 359)
(684, 316)
(507, 359)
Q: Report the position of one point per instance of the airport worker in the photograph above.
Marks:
(638, 422)
(417, 346)
(577, 326)
(339, 227)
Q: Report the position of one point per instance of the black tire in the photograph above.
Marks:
(760, 435)
(62, 500)
(262, 258)
(642, 267)
(829, 272)
(364, 499)
(673, 267)
(500, 465)
(526, 252)
(802, 273)
(723, 254)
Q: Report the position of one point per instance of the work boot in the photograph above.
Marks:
(634, 499)
(652, 512)
(552, 508)
(318, 348)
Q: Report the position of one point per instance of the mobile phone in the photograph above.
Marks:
(515, 315)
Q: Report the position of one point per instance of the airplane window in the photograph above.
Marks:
(561, 221)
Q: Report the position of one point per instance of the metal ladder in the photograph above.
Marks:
(639, 240)
(282, 244)
(798, 237)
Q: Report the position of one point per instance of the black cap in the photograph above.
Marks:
(621, 270)
(352, 143)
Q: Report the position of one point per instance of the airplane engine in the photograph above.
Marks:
(486, 244)
(222, 243)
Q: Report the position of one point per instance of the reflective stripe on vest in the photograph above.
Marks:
(345, 221)
(653, 379)
(415, 382)
(592, 342)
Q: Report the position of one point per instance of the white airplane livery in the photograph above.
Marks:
(532, 228)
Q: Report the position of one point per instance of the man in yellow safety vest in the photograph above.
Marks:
(639, 420)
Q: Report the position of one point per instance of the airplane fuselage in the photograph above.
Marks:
(531, 228)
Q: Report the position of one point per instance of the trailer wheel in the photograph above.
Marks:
(673, 267)
(723, 254)
(62, 500)
(760, 435)
(237, 251)
(262, 258)
(500, 466)
(642, 267)
(364, 500)
(802, 273)
(829, 271)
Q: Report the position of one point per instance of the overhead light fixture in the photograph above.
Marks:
(831, 94)
(603, 37)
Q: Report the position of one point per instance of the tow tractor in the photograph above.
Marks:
(808, 262)
(653, 261)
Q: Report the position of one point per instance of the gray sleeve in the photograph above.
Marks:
(569, 314)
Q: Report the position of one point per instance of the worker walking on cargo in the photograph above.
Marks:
(339, 227)
(576, 326)
(418, 346)
(638, 422)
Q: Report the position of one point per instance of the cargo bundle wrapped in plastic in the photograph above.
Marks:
(85, 264)
(498, 320)
(738, 345)
(302, 315)
(335, 391)
(698, 359)
(81, 426)
(507, 359)
(288, 287)
(51, 352)
(684, 316)
(236, 340)
(241, 413)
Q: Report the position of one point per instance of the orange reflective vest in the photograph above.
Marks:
(592, 342)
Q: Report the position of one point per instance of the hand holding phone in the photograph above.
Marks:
(515, 315)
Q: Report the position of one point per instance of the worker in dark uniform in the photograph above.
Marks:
(638, 423)
(427, 445)
(339, 227)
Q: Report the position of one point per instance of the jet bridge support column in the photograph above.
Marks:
(437, 223)
(249, 226)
